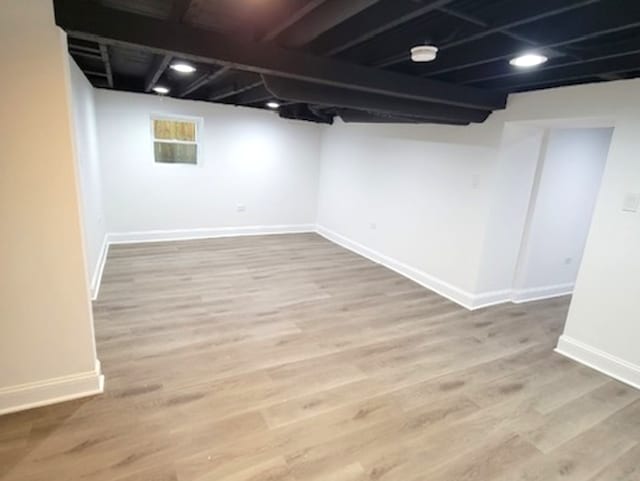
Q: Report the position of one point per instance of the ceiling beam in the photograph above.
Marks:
(593, 68)
(256, 95)
(179, 9)
(471, 57)
(293, 18)
(83, 53)
(158, 66)
(377, 24)
(95, 22)
(522, 19)
(202, 81)
(270, 35)
(562, 65)
(329, 96)
(106, 60)
(372, 117)
(330, 14)
(235, 89)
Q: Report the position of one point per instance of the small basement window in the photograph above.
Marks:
(175, 140)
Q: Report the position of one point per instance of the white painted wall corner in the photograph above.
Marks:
(51, 391)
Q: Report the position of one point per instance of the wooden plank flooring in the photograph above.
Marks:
(288, 358)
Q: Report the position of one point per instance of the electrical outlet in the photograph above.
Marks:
(241, 208)
(373, 226)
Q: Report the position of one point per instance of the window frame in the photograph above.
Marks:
(198, 121)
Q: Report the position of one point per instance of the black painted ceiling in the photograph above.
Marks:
(128, 45)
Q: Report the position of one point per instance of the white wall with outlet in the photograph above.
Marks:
(566, 187)
(413, 200)
(255, 169)
(88, 166)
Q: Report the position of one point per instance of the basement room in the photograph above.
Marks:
(320, 240)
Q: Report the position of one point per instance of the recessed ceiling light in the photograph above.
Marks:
(424, 53)
(528, 60)
(273, 105)
(161, 90)
(183, 67)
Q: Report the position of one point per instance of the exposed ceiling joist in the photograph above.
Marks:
(94, 22)
(594, 68)
(202, 81)
(563, 65)
(292, 18)
(377, 24)
(325, 17)
(161, 62)
(106, 60)
(159, 65)
(83, 53)
(256, 95)
(236, 89)
(329, 96)
(521, 18)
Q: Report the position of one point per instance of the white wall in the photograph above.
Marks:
(88, 165)
(565, 192)
(249, 157)
(47, 349)
(418, 202)
(603, 327)
(362, 174)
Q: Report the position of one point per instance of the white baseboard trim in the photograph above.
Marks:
(190, 234)
(453, 293)
(461, 297)
(51, 391)
(99, 269)
(612, 366)
(539, 293)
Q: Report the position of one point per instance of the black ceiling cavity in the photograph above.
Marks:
(350, 58)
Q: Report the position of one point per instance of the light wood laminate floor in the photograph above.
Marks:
(288, 358)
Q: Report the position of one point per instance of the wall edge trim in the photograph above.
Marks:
(206, 233)
(459, 296)
(599, 360)
(520, 296)
(51, 391)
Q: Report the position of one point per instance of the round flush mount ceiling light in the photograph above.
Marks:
(183, 67)
(161, 90)
(273, 105)
(424, 53)
(528, 60)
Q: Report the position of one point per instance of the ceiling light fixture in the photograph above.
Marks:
(183, 67)
(424, 53)
(528, 60)
(161, 90)
(273, 105)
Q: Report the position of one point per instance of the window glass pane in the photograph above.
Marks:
(176, 153)
(174, 130)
